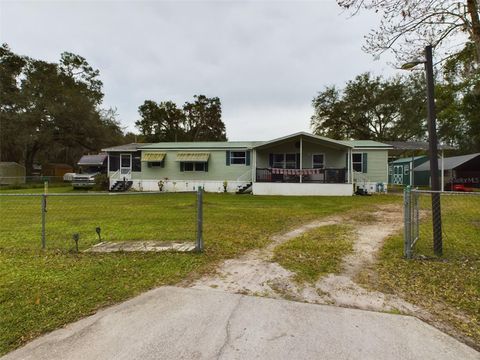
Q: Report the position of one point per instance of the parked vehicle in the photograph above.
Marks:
(458, 187)
(91, 167)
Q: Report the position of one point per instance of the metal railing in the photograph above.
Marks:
(320, 176)
(460, 219)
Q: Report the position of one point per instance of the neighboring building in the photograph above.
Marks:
(400, 171)
(56, 170)
(298, 164)
(12, 173)
(464, 169)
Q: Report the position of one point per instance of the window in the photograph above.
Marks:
(290, 161)
(193, 166)
(283, 161)
(318, 161)
(357, 162)
(114, 162)
(238, 157)
(137, 161)
(156, 164)
(278, 160)
(406, 168)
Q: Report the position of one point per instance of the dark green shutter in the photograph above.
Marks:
(182, 166)
(346, 160)
(364, 163)
(206, 166)
(247, 160)
(297, 161)
(270, 160)
(227, 160)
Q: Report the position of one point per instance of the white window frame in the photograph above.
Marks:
(238, 157)
(313, 161)
(356, 162)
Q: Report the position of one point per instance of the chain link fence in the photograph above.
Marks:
(454, 217)
(63, 221)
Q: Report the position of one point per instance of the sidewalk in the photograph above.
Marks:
(179, 323)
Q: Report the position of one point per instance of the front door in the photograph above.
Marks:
(125, 166)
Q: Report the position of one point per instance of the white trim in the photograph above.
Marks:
(244, 158)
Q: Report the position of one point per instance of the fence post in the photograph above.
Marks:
(199, 243)
(44, 213)
(406, 219)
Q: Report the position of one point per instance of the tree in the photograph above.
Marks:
(51, 111)
(197, 121)
(372, 108)
(407, 26)
(204, 119)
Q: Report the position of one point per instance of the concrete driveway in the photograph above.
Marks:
(178, 323)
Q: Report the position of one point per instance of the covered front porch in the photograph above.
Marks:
(302, 164)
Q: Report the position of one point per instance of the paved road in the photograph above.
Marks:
(177, 323)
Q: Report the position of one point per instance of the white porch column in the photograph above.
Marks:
(348, 165)
(352, 180)
(443, 174)
(254, 166)
(301, 158)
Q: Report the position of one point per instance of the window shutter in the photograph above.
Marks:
(182, 166)
(247, 159)
(206, 166)
(270, 160)
(227, 160)
(297, 161)
(364, 163)
(346, 160)
(162, 164)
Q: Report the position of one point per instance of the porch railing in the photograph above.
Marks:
(321, 176)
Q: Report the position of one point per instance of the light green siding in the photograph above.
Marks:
(217, 169)
(377, 166)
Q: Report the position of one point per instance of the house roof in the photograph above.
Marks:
(92, 159)
(126, 147)
(335, 143)
(363, 144)
(202, 145)
(415, 145)
(448, 163)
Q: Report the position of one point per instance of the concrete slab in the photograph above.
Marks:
(178, 323)
(141, 246)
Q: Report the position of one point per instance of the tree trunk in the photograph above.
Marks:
(473, 9)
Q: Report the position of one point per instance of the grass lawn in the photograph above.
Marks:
(448, 286)
(43, 290)
(316, 253)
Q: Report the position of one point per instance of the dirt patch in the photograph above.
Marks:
(254, 273)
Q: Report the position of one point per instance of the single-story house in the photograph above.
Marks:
(11, 173)
(464, 169)
(297, 164)
(400, 171)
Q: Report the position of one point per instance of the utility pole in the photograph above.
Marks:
(433, 154)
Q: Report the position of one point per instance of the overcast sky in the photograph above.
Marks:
(265, 60)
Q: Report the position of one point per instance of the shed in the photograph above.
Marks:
(464, 169)
(56, 170)
(400, 171)
(12, 173)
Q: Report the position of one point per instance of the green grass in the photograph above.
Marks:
(43, 290)
(315, 253)
(446, 286)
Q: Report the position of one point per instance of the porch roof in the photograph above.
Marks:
(315, 138)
